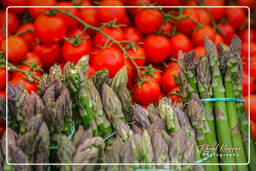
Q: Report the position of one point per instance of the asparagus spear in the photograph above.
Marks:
(230, 68)
(223, 128)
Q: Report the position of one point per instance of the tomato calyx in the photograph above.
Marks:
(112, 24)
(77, 40)
(51, 12)
(149, 70)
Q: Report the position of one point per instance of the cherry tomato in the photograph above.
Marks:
(179, 42)
(227, 31)
(246, 85)
(7, 3)
(252, 68)
(29, 37)
(245, 49)
(216, 13)
(173, 65)
(252, 106)
(138, 2)
(91, 71)
(203, 16)
(29, 86)
(137, 51)
(17, 48)
(248, 3)
(166, 29)
(148, 92)
(2, 78)
(175, 98)
(169, 2)
(253, 129)
(50, 29)
(49, 54)
(187, 25)
(200, 51)
(12, 21)
(198, 35)
(168, 81)
(109, 58)
(114, 33)
(132, 34)
(148, 20)
(157, 48)
(26, 67)
(236, 17)
(32, 58)
(89, 15)
(3, 94)
(34, 12)
(74, 51)
(109, 14)
(74, 11)
(244, 35)
(152, 73)
(218, 39)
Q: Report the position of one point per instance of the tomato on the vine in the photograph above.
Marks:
(34, 12)
(252, 67)
(200, 51)
(73, 50)
(32, 58)
(252, 106)
(166, 29)
(136, 52)
(203, 16)
(146, 93)
(7, 3)
(26, 67)
(89, 15)
(49, 54)
(218, 39)
(91, 71)
(174, 97)
(244, 35)
(236, 17)
(245, 49)
(198, 35)
(12, 21)
(132, 34)
(3, 78)
(246, 85)
(3, 94)
(168, 81)
(157, 48)
(179, 42)
(248, 3)
(173, 65)
(152, 73)
(169, 2)
(17, 48)
(129, 73)
(29, 37)
(216, 13)
(148, 20)
(109, 58)
(227, 31)
(115, 33)
(29, 86)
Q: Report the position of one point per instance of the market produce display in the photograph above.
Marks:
(127, 85)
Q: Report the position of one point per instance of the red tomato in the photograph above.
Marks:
(29, 37)
(7, 3)
(50, 29)
(187, 25)
(19, 75)
(17, 48)
(168, 81)
(138, 51)
(198, 35)
(3, 94)
(216, 13)
(12, 22)
(91, 71)
(37, 11)
(132, 34)
(199, 51)
(173, 65)
(151, 73)
(109, 14)
(89, 15)
(203, 16)
(236, 17)
(49, 54)
(114, 33)
(148, 92)
(248, 3)
(73, 52)
(2, 34)
(156, 47)
(218, 39)
(148, 20)
(179, 42)
(246, 85)
(252, 68)
(138, 2)
(252, 106)
(29, 86)
(227, 31)
(244, 35)
(169, 2)
(2, 78)
(174, 97)
(108, 58)
(166, 29)
(32, 58)
(253, 129)
(245, 49)
(74, 11)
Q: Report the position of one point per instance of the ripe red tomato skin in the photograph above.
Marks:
(218, 39)
(179, 42)
(74, 52)
(253, 129)
(132, 34)
(187, 25)
(203, 16)
(12, 21)
(157, 48)
(200, 51)
(243, 35)
(246, 85)
(198, 35)
(149, 92)
(33, 58)
(138, 51)
(236, 17)
(109, 58)
(166, 29)
(252, 68)
(7, 3)
(252, 106)
(3, 78)
(29, 86)
(172, 65)
(228, 32)
(89, 15)
(3, 94)
(49, 54)
(216, 13)
(91, 71)
(148, 20)
(114, 33)
(34, 12)
(245, 50)
(174, 97)
(168, 81)
(17, 48)
(50, 29)
(30, 37)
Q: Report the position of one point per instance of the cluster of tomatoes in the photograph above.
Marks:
(150, 39)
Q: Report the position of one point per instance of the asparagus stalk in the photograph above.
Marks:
(230, 68)
(223, 128)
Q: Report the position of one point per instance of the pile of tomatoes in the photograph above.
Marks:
(39, 37)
